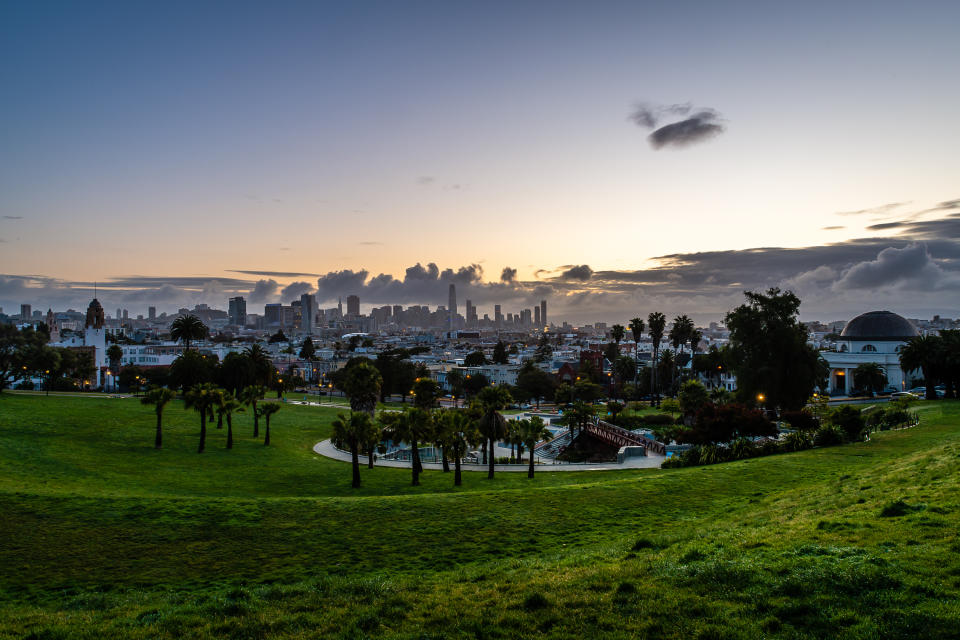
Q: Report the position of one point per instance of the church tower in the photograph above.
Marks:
(52, 327)
(95, 335)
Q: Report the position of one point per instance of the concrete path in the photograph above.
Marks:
(326, 448)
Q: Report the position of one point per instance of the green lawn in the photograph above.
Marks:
(104, 537)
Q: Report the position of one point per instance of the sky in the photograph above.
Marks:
(615, 158)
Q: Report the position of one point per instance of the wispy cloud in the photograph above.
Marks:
(878, 210)
(699, 125)
(13, 217)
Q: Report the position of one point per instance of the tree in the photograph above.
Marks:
(475, 383)
(769, 351)
(225, 410)
(456, 380)
(115, 355)
(354, 432)
(202, 398)
(190, 369)
(578, 415)
(263, 369)
(544, 350)
(267, 410)
(715, 424)
(188, 329)
(922, 352)
(693, 396)
(850, 420)
(531, 431)
(11, 342)
(869, 376)
(657, 322)
(611, 352)
(426, 393)
(617, 332)
(636, 329)
(279, 336)
(475, 359)
(250, 397)
(615, 408)
(411, 426)
(361, 381)
(455, 429)
(680, 333)
(307, 350)
(500, 353)
(236, 372)
(159, 398)
(492, 425)
(535, 381)
(624, 369)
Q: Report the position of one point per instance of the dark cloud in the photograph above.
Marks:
(581, 272)
(294, 290)
(275, 274)
(911, 266)
(886, 225)
(648, 115)
(832, 228)
(508, 274)
(697, 128)
(263, 291)
(881, 209)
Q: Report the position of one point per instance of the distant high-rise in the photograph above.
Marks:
(543, 314)
(497, 316)
(25, 312)
(308, 312)
(273, 314)
(536, 316)
(151, 313)
(452, 308)
(118, 316)
(126, 314)
(236, 311)
(471, 314)
(353, 306)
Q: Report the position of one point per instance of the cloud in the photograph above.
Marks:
(832, 228)
(294, 290)
(699, 127)
(370, 243)
(886, 225)
(508, 275)
(648, 115)
(911, 266)
(263, 291)
(881, 209)
(276, 274)
(425, 181)
(13, 217)
(581, 272)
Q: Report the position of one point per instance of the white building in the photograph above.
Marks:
(876, 336)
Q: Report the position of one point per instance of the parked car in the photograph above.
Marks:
(903, 394)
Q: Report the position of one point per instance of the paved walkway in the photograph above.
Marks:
(326, 448)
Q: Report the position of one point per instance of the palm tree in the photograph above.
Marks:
(532, 431)
(263, 371)
(202, 398)
(681, 331)
(869, 376)
(410, 426)
(362, 383)
(657, 323)
(353, 431)
(250, 396)
(374, 436)
(454, 429)
(115, 355)
(158, 397)
(267, 410)
(636, 329)
(922, 352)
(187, 329)
(493, 426)
(227, 407)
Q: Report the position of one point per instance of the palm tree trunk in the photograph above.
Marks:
(457, 480)
(256, 421)
(446, 463)
(416, 457)
(266, 440)
(490, 460)
(354, 456)
(483, 448)
(203, 430)
(229, 431)
(158, 441)
(530, 470)
(370, 457)
(414, 463)
(219, 421)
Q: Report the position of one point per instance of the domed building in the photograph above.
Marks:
(875, 336)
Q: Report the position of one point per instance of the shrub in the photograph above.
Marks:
(797, 441)
(658, 418)
(899, 508)
(743, 448)
(827, 435)
(850, 421)
(802, 420)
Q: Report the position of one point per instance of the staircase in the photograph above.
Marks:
(553, 448)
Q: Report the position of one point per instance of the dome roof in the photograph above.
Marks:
(879, 325)
(95, 314)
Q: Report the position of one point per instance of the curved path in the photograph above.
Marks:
(326, 448)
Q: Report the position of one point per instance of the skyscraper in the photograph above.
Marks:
(308, 312)
(536, 316)
(452, 308)
(543, 314)
(152, 313)
(237, 311)
(25, 312)
(353, 306)
(497, 316)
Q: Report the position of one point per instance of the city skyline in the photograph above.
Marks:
(616, 160)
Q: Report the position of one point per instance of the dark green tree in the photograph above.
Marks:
(202, 398)
(475, 359)
(187, 329)
(869, 376)
(923, 353)
(500, 353)
(159, 398)
(657, 323)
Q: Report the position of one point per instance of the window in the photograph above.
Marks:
(869, 348)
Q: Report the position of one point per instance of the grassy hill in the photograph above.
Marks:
(104, 537)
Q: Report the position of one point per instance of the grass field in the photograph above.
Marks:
(104, 537)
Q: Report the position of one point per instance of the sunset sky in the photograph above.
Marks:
(620, 157)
